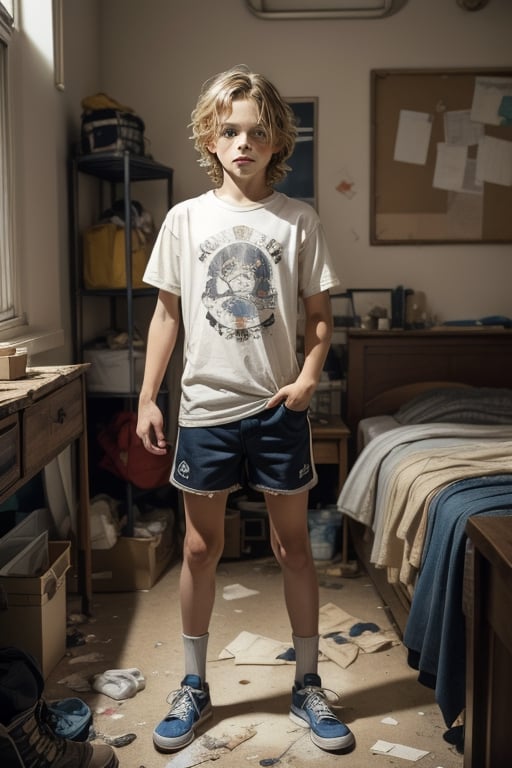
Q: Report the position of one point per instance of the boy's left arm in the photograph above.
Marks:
(317, 340)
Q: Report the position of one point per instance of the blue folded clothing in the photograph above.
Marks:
(70, 719)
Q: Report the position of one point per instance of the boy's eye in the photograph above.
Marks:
(259, 134)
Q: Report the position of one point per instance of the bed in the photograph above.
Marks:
(430, 415)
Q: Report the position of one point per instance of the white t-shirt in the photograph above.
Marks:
(239, 271)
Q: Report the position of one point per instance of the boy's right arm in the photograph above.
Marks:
(162, 335)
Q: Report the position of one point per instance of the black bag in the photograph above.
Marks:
(112, 130)
(21, 682)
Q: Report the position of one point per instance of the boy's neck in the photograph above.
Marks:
(238, 194)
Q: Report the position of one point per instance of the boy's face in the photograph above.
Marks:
(242, 146)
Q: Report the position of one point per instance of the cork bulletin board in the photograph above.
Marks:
(441, 156)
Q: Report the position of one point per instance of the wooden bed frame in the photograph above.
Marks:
(387, 368)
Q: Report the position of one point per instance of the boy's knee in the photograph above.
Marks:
(293, 559)
(200, 554)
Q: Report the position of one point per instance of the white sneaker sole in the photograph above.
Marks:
(172, 743)
(340, 742)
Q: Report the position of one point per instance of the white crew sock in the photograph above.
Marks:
(195, 655)
(306, 656)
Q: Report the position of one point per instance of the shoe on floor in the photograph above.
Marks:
(309, 709)
(29, 741)
(190, 706)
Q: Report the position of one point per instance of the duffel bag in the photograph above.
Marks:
(108, 126)
(104, 259)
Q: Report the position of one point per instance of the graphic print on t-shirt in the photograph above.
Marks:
(240, 295)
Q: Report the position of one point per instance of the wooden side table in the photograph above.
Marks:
(330, 446)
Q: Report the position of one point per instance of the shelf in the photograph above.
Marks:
(120, 395)
(136, 292)
(110, 166)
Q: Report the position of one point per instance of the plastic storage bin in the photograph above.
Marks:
(324, 529)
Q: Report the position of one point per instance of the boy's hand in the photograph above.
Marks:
(150, 428)
(292, 396)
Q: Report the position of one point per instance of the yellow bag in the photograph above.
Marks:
(104, 263)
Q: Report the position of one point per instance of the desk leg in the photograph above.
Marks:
(84, 560)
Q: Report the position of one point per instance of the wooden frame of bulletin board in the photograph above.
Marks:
(441, 152)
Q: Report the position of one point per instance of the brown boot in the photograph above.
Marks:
(28, 742)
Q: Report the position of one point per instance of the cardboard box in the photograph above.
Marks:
(110, 369)
(13, 366)
(132, 564)
(33, 609)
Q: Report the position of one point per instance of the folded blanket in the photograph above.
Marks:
(461, 405)
(357, 497)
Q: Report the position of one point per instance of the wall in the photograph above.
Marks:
(155, 56)
(43, 123)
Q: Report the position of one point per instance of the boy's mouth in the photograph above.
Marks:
(243, 159)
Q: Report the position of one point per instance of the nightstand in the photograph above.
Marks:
(330, 446)
(330, 439)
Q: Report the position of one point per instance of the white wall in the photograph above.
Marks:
(155, 56)
(43, 127)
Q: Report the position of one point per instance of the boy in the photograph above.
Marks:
(236, 260)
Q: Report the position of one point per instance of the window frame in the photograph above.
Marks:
(10, 315)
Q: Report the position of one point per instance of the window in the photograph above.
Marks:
(8, 308)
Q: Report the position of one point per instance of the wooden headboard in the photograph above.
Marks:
(387, 367)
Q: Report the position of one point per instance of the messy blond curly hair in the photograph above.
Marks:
(215, 103)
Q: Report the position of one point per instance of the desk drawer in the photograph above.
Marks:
(326, 451)
(10, 470)
(50, 424)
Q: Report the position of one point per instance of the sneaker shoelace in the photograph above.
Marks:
(315, 699)
(44, 741)
(182, 703)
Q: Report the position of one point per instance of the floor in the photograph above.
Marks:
(250, 724)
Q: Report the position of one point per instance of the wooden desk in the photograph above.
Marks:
(330, 446)
(41, 415)
(488, 607)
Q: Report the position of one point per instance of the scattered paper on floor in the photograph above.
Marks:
(248, 648)
(333, 619)
(343, 655)
(389, 721)
(237, 591)
(210, 746)
(392, 749)
(335, 641)
(76, 682)
(86, 658)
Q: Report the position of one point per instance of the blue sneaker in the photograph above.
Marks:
(309, 709)
(190, 706)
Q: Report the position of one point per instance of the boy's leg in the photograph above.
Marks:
(202, 549)
(291, 546)
(289, 537)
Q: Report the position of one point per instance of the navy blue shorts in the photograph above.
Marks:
(270, 451)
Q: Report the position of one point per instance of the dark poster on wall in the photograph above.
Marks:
(301, 180)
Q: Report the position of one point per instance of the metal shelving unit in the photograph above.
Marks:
(116, 172)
